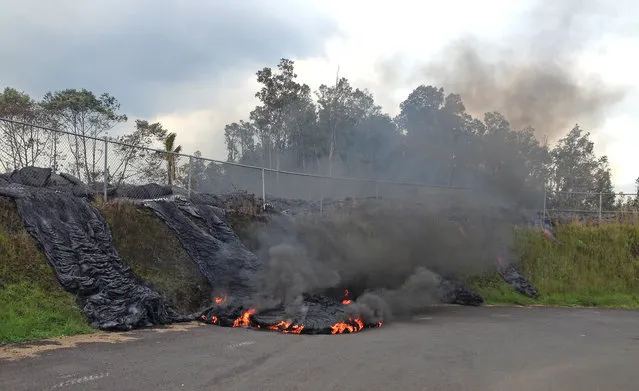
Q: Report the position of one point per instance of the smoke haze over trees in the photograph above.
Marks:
(336, 130)
(433, 140)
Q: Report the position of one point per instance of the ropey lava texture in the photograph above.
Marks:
(78, 245)
(233, 270)
(213, 246)
(514, 278)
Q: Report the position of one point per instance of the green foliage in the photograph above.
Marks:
(82, 113)
(595, 265)
(29, 312)
(575, 168)
(433, 140)
(286, 110)
(170, 149)
(133, 159)
(34, 305)
(16, 105)
(22, 145)
(338, 130)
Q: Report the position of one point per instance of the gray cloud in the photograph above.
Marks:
(141, 50)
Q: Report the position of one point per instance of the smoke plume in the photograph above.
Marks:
(532, 76)
(394, 255)
(391, 257)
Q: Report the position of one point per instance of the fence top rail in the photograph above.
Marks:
(586, 192)
(272, 170)
(568, 210)
(258, 168)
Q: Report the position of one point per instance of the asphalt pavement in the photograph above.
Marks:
(446, 348)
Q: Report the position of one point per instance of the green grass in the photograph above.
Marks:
(33, 305)
(29, 312)
(594, 266)
(499, 293)
(150, 248)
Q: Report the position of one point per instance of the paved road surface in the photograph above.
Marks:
(450, 348)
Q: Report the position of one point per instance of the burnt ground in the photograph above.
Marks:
(447, 348)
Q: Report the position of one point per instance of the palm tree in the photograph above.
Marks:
(170, 150)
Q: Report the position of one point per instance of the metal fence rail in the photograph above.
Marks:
(108, 164)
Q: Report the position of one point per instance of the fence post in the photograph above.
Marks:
(55, 152)
(106, 167)
(189, 184)
(263, 191)
(600, 204)
(321, 195)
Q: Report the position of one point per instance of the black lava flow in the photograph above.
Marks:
(77, 243)
(511, 275)
(232, 268)
(514, 278)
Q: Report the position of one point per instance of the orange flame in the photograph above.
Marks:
(215, 320)
(245, 319)
(220, 300)
(286, 327)
(346, 300)
(353, 326)
(379, 324)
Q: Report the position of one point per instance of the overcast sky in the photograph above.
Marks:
(191, 64)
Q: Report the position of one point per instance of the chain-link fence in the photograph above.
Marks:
(591, 206)
(116, 169)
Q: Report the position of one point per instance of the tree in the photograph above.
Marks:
(634, 203)
(433, 124)
(628, 201)
(135, 158)
(344, 119)
(203, 175)
(88, 118)
(240, 141)
(283, 100)
(24, 145)
(372, 148)
(576, 169)
(514, 162)
(170, 154)
(433, 140)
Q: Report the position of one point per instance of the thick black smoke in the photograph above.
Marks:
(393, 254)
(391, 257)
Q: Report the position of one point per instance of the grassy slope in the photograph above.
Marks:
(594, 266)
(33, 305)
(153, 252)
